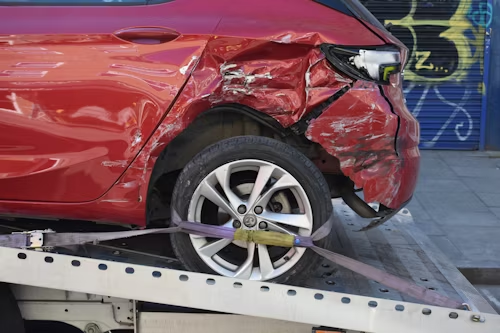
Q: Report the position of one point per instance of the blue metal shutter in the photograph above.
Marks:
(443, 79)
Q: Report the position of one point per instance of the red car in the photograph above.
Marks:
(248, 114)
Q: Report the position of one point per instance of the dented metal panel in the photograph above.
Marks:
(269, 61)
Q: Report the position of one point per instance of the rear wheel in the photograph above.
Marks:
(253, 183)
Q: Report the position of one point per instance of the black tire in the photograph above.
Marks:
(10, 316)
(261, 148)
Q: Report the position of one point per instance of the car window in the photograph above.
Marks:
(74, 2)
(338, 5)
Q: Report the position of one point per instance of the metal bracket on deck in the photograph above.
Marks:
(34, 238)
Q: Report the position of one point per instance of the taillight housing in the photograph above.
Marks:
(375, 64)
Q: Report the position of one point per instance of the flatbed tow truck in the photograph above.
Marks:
(130, 286)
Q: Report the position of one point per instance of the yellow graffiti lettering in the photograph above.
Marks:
(466, 38)
(422, 57)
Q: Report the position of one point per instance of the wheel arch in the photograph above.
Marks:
(218, 123)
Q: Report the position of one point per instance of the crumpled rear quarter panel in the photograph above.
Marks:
(360, 129)
(285, 81)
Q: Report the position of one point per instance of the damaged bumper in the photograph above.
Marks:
(375, 138)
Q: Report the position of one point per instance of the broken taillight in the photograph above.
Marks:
(375, 64)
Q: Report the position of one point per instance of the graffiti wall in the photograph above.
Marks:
(444, 76)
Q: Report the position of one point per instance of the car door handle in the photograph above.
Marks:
(147, 35)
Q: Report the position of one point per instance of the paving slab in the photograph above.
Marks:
(490, 199)
(479, 243)
(457, 204)
(496, 211)
(479, 184)
(477, 172)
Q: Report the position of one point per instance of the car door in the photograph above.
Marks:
(83, 84)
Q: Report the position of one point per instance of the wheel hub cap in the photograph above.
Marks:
(250, 221)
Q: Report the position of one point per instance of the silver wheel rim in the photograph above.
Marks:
(273, 188)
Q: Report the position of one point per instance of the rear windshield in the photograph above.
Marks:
(353, 8)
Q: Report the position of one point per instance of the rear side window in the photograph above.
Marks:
(338, 5)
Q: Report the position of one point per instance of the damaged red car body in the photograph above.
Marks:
(93, 95)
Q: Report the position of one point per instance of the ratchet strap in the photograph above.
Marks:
(46, 239)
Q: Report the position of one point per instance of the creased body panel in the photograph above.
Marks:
(76, 110)
(286, 89)
(360, 130)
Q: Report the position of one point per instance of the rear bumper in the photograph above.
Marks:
(375, 138)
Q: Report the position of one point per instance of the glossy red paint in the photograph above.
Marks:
(90, 96)
(360, 129)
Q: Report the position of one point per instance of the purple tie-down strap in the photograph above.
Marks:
(389, 280)
(370, 272)
(206, 230)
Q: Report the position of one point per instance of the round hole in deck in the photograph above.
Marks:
(405, 211)
(326, 274)
(237, 285)
(75, 263)
(424, 279)
(399, 307)
(330, 282)
(431, 288)
(49, 260)
(103, 267)
(372, 304)
(346, 300)
(453, 315)
(183, 277)
(211, 282)
(156, 274)
(264, 288)
(291, 292)
(426, 311)
(129, 270)
(22, 256)
(350, 223)
(325, 265)
(319, 296)
(66, 310)
(383, 290)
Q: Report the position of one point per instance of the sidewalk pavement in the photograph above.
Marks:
(457, 204)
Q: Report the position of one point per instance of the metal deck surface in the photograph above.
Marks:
(397, 247)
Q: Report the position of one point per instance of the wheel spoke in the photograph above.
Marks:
(284, 182)
(265, 263)
(210, 249)
(263, 176)
(209, 192)
(223, 175)
(245, 270)
(294, 220)
(276, 227)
